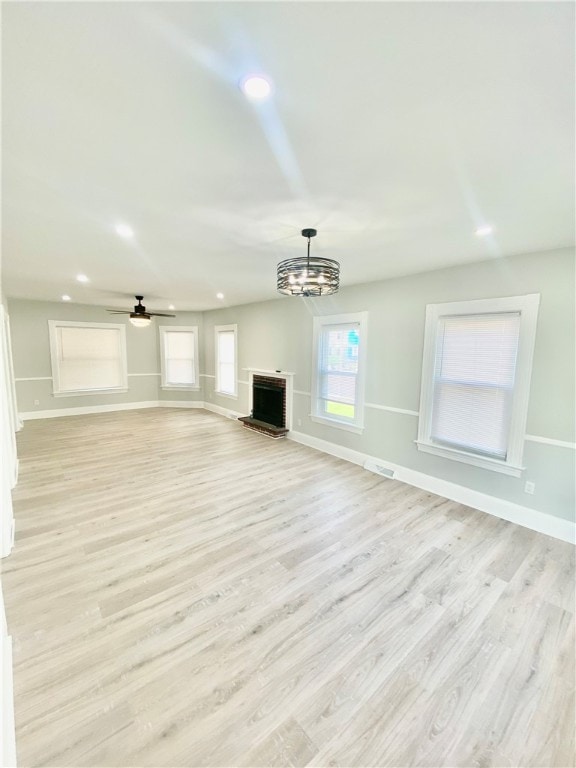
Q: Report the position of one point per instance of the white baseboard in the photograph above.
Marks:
(550, 525)
(55, 412)
(180, 404)
(222, 411)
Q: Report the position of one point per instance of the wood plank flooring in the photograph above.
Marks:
(185, 592)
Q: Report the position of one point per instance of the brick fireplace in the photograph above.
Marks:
(270, 401)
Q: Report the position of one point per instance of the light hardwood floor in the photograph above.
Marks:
(184, 592)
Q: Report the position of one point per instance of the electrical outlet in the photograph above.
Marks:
(299, 422)
(530, 487)
(36, 402)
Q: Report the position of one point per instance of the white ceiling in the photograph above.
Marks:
(395, 129)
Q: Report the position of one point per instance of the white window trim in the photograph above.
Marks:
(527, 306)
(162, 329)
(356, 426)
(53, 329)
(217, 390)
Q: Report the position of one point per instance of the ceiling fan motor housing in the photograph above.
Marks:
(139, 309)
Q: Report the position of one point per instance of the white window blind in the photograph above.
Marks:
(474, 381)
(88, 358)
(179, 357)
(226, 361)
(476, 371)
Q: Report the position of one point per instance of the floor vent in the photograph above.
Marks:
(378, 469)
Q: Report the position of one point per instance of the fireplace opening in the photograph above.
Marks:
(268, 403)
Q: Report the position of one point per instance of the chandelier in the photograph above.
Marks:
(308, 275)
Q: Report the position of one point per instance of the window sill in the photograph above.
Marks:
(468, 458)
(80, 392)
(226, 394)
(338, 424)
(188, 387)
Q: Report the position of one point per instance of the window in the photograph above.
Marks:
(338, 370)
(476, 381)
(179, 357)
(226, 359)
(88, 357)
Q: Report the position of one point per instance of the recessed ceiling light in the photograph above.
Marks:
(82, 279)
(219, 295)
(123, 230)
(66, 297)
(483, 231)
(171, 306)
(256, 87)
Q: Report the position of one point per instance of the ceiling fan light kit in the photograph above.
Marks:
(140, 318)
(308, 275)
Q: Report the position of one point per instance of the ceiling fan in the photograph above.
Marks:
(139, 316)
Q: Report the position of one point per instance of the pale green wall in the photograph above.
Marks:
(31, 350)
(278, 334)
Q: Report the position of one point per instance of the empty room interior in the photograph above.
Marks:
(288, 384)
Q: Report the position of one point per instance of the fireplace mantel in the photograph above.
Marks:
(264, 372)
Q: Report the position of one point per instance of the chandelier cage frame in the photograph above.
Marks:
(308, 275)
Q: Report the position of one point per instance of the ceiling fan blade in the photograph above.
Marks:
(139, 311)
